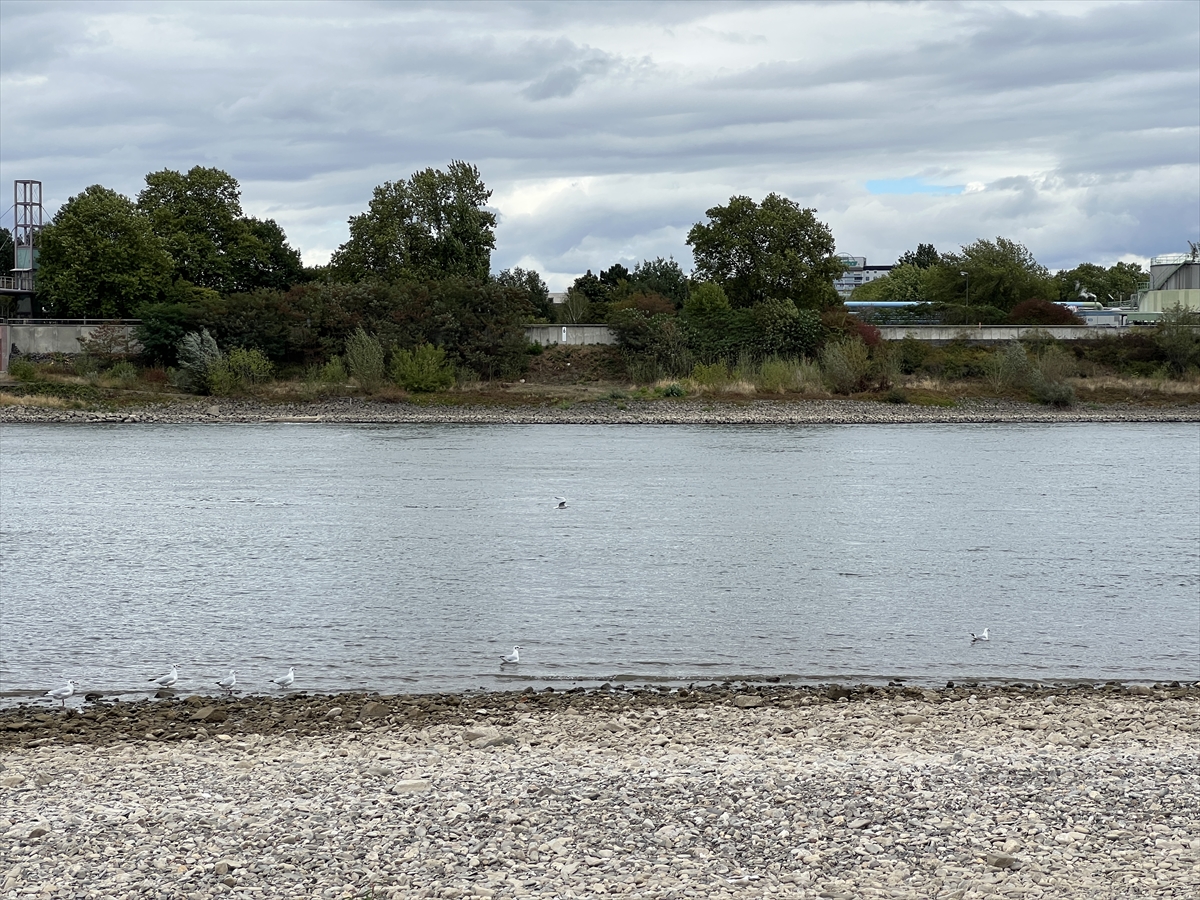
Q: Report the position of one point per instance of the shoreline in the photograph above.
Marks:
(736, 792)
(599, 412)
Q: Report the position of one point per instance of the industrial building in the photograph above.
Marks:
(1174, 282)
(857, 272)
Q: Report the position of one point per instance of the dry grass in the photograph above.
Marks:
(42, 400)
(1139, 386)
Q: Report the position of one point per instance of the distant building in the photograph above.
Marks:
(857, 272)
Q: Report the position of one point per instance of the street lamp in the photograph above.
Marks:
(968, 277)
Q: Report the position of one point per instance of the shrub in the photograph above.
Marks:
(674, 390)
(85, 364)
(911, 354)
(776, 375)
(198, 355)
(1051, 393)
(364, 359)
(711, 375)
(1007, 367)
(1042, 312)
(124, 371)
(845, 365)
(110, 343)
(1177, 340)
(23, 370)
(333, 372)
(248, 366)
(895, 395)
(423, 369)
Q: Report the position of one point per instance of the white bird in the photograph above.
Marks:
(165, 681)
(285, 681)
(562, 502)
(513, 657)
(980, 637)
(228, 682)
(62, 693)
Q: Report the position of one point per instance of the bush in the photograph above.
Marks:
(248, 366)
(199, 356)
(775, 376)
(124, 371)
(711, 375)
(423, 369)
(673, 390)
(364, 360)
(845, 365)
(1051, 393)
(1042, 312)
(1177, 340)
(85, 364)
(23, 370)
(1007, 367)
(1054, 364)
(333, 372)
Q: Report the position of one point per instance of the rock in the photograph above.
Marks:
(1002, 861)
(837, 692)
(210, 714)
(858, 823)
(333, 713)
(373, 709)
(38, 830)
(747, 701)
(411, 786)
(224, 867)
(213, 410)
(913, 719)
(12, 780)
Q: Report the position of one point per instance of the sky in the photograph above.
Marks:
(606, 130)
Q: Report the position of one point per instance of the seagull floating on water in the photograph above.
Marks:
(228, 682)
(515, 656)
(165, 681)
(562, 502)
(980, 637)
(62, 693)
(285, 681)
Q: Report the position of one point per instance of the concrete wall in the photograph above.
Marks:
(32, 339)
(988, 334)
(1161, 301)
(570, 335)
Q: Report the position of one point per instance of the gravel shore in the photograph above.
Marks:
(603, 412)
(732, 791)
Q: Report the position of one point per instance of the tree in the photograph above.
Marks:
(1000, 274)
(661, 276)
(906, 281)
(776, 251)
(198, 217)
(1109, 286)
(6, 250)
(433, 225)
(100, 257)
(531, 283)
(923, 257)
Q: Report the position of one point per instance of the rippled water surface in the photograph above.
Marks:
(408, 558)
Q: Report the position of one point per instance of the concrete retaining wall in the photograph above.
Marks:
(33, 338)
(989, 334)
(571, 335)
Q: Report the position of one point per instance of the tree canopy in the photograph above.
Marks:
(773, 251)
(1109, 286)
(924, 257)
(100, 257)
(198, 217)
(432, 225)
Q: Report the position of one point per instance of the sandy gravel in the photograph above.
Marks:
(605, 412)
(746, 792)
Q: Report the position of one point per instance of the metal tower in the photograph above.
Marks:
(27, 229)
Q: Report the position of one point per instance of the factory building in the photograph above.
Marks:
(857, 272)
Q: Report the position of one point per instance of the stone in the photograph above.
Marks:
(913, 719)
(747, 701)
(333, 713)
(210, 714)
(224, 867)
(1002, 861)
(410, 786)
(373, 709)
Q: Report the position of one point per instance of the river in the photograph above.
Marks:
(408, 558)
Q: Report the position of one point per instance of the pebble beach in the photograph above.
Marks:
(725, 791)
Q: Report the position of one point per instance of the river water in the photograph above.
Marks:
(408, 558)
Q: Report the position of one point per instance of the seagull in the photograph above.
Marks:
(165, 681)
(515, 656)
(62, 693)
(980, 637)
(285, 681)
(228, 682)
(562, 502)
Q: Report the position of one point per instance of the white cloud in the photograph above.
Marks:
(606, 130)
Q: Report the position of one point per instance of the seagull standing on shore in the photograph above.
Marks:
(62, 693)
(285, 681)
(515, 656)
(980, 637)
(165, 681)
(228, 682)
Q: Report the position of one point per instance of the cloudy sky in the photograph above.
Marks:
(606, 130)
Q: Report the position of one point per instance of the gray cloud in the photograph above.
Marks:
(607, 129)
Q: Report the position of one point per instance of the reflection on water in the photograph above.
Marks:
(409, 558)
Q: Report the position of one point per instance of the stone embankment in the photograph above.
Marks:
(733, 791)
(602, 412)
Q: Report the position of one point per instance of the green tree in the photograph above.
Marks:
(433, 225)
(198, 216)
(906, 281)
(773, 251)
(534, 288)
(1109, 286)
(924, 257)
(100, 257)
(6, 250)
(661, 276)
(999, 273)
